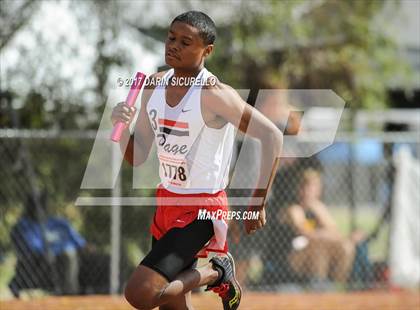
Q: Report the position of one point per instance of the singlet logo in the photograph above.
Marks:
(175, 128)
(164, 127)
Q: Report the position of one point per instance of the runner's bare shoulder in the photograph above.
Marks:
(216, 90)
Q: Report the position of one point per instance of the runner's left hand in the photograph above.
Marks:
(252, 226)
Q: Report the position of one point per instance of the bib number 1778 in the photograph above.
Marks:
(174, 172)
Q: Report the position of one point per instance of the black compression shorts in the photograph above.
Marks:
(176, 250)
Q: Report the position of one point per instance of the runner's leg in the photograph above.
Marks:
(161, 277)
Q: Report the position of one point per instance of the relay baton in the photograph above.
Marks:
(130, 101)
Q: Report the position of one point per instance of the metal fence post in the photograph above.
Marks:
(115, 225)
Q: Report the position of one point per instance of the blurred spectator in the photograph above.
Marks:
(47, 251)
(317, 249)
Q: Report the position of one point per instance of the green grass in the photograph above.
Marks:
(6, 274)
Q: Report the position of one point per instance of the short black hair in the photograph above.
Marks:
(204, 24)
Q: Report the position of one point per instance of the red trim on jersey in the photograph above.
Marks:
(168, 122)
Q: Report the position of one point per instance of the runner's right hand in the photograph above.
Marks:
(122, 113)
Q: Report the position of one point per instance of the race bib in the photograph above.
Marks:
(174, 171)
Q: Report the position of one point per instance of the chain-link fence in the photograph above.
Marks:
(49, 243)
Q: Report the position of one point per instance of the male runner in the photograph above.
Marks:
(193, 128)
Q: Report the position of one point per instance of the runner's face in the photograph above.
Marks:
(184, 48)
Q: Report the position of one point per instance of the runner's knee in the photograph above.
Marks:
(144, 288)
(140, 297)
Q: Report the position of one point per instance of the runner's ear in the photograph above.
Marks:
(208, 50)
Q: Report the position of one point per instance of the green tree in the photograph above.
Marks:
(328, 44)
(311, 44)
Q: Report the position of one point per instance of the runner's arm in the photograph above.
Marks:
(226, 103)
(136, 147)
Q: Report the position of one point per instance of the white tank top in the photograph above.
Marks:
(193, 158)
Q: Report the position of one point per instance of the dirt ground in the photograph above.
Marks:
(250, 301)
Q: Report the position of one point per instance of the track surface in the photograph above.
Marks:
(251, 301)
